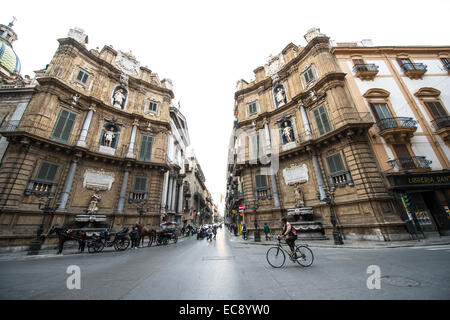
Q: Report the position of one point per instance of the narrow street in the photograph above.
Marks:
(225, 269)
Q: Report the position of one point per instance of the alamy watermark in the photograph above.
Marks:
(74, 280)
(374, 280)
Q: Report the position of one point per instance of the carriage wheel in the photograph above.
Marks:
(95, 246)
(122, 244)
(175, 238)
(166, 241)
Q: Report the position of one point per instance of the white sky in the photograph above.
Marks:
(206, 46)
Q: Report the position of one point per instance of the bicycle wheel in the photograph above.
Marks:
(275, 257)
(305, 257)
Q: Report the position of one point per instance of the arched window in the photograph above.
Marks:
(110, 135)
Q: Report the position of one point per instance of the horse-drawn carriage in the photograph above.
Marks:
(166, 234)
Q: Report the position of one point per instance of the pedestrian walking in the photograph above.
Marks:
(266, 230)
(134, 235)
(244, 231)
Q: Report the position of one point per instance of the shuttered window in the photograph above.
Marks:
(446, 62)
(140, 184)
(261, 182)
(252, 108)
(436, 109)
(322, 122)
(153, 107)
(64, 125)
(82, 76)
(255, 146)
(405, 63)
(146, 148)
(47, 172)
(309, 75)
(335, 164)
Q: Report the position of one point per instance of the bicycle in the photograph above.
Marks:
(276, 256)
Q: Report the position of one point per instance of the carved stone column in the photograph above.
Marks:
(130, 153)
(318, 172)
(180, 199)
(169, 197)
(276, 198)
(87, 122)
(123, 190)
(305, 122)
(68, 184)
(268, 142)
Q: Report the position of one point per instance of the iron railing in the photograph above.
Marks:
(400, 122)
(442, 122)
(365, 67)
(409, 66)
(419, 162)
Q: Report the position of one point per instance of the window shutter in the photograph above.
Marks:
(143, 145)
(322, 121)
(80, 75)
(261, 182)
(436, 109)
(68, 127)
(47, 172)
(60, 123)
(335, 163)
(148, 150)
(140, 184)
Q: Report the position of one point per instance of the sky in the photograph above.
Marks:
(205, 47)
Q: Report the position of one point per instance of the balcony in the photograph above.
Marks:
(442, 127)
(414, 70)
(137, 197)
(341, 178)
(365, 71)
(40, 188)
(419, 163)
(397, 130)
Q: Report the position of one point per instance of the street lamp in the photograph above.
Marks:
(257, 235)
(44, 205)
(336, 233)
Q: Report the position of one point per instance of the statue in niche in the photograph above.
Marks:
(95, 199)
(108, 137)
(299, 200)
(288, 133)
(280, 96)
(119, 98)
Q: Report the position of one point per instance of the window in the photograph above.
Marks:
(256, 146)
(261, 182)
(405, 63)
(140, 185)
(322, 122)
(335, 164)
(309, 76)
(404, 157)
(437, 111)
(153, 107)
(252, 108)
(47, 172)
(82, 76)
(446, 62)
(64, 125)
(146, 148)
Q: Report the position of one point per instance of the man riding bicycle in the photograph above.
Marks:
(290, 234)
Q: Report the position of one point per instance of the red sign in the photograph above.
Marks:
(241, 207)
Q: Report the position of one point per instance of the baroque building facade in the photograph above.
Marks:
(88, 137)
(300, 148)
(406, 90)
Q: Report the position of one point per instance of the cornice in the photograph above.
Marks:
(391, 50)
(110, 67)
(285, 69)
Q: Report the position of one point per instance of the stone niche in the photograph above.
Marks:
(98, 179)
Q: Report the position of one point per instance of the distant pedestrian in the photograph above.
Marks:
(244, 231)
(266, 230)
(134, 235)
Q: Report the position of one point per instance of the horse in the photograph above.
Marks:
(69, 235)
(143, 232)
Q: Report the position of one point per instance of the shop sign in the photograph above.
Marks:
(430, 179)
(423, 218)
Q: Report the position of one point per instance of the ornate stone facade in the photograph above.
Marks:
(77, 134)
(298, 146)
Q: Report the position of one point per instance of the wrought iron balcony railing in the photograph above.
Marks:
(408, 66)
(419, 162)
(440, 123)
(365, 67)
(400, 122)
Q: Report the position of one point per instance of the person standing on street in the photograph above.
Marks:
(134, 235)
(266, 230)
(244, 231)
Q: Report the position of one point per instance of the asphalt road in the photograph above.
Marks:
(225, 269)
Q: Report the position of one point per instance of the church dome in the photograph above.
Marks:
(9, 59)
